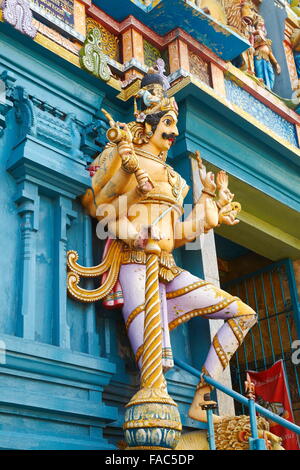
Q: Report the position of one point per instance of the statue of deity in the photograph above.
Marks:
(264, 60)
(295, 41)
(139, 197)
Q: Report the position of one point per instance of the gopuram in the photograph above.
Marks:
(150, 201)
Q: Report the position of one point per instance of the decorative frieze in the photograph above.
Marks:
(261, 112)
(57, 38)
(93, 138)
(47, 123)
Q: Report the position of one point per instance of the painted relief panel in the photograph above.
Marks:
(109, 42)
(151, 54)
(199, 68)
(63, 10)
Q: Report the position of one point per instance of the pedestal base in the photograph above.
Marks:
(152, 421)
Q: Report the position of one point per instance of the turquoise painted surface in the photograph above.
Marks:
(167, 15)
(45, 272)
(261, 112)
(10, 246)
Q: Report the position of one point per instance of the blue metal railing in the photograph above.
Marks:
(255, 443)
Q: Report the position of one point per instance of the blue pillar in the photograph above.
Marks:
(27, 200)
(63, 218)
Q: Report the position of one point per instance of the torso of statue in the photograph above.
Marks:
(169, 190)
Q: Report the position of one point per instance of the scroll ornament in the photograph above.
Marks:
(92, 58)
(19, 15)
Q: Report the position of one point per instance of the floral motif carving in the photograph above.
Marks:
(151, 54)
(19, 15)
(109, 42)
(199, 68)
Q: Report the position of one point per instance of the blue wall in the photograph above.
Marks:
(69, 369)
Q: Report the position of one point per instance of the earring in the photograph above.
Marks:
(149, 134)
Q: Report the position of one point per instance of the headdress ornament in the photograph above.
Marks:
(153, 93)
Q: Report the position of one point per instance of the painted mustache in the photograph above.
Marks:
(171, 136)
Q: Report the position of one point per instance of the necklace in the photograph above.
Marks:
(174, 178)
(151, 156)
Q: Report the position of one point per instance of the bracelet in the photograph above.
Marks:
(205, 191)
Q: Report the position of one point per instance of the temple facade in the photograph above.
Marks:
(66, 368)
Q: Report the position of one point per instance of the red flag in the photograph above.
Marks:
(271, 392)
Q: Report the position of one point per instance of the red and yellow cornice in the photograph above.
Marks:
(178, 40)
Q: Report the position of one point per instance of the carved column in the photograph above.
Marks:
(27, 200)
(64, 216)
(178, 56)
(133, 48)
(90, 312)
(217, 78)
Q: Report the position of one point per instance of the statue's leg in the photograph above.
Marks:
(188, 299)
(132, 280)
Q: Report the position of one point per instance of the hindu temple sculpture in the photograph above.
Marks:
(139, 197)
(264, 59)
(231, 434)
(295, 41)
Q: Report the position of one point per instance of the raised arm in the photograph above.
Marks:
(208, 212)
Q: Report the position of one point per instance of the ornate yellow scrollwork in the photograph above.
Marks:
(111, 265)
(109, 42)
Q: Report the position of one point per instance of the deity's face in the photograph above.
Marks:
(165, 133)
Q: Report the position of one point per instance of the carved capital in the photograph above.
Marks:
(47, 123)
(65, 217)
(94, 138)
(27, 200)
(19, 15)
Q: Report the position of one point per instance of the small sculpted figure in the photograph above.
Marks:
(295, 41)
(133, 169)
(264, 59)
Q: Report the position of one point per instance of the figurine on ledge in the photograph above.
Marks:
(264, 59)
(146, 230)
(295, 41)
